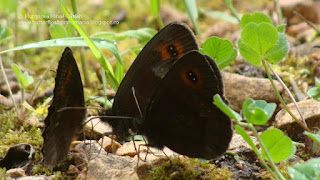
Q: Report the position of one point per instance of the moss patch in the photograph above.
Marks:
(187, 169)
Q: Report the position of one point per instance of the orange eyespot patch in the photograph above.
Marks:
(170, 50)
(191, 77)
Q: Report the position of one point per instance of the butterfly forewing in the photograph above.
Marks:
(62, 121)
(166, 47)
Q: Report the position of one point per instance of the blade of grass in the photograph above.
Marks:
(70, 42)
(83, 61)
(192, 11)
(119, 71)
(155, 7)
(229, 5)
(95, 50)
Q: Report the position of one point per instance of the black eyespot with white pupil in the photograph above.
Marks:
(192, 76)
(172, 51)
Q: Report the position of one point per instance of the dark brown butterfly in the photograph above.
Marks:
(66, 112)
(167, 95)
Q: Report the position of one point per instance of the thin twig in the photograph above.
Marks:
(305, 20)
(278, 11)
(304, 125)
(9, 89)
(295, 88)
(43, 75)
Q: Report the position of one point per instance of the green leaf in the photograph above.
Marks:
(226, 62)
(306, 171)
(279, 51)
(314, 93)
(225, 108)
(142, 35)
(228, 3)
(247, 138)
(119, 71)
(155, 7)
(191, 7)
(278, 145)
(218, 15)
(9, 6)
(268, 108)
(71, 42)
(256, 18)
(26, 79)
(315, 137)
(23, 78)
(57, 31)
(260, 38)
(101, 100)
(253, 114)
(281, 28)
(110, 35)
(5, 32)
(258, 112)
(16, 71)
(94, 49)
(258, 117)
(248, 54)
(220, 50)
(317, 82)
(136, 138)
(70, 29)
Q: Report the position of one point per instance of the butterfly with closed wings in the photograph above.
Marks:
(167, 95)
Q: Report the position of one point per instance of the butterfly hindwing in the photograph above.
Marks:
(182, 115)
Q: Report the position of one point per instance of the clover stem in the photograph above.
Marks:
(248, 125)
(273, 166)
(280, 98)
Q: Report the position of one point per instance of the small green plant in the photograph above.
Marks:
(24, 80)
(5, 32)
(261, 42)
(274, 145)
(315, 91)
(191, 9)
(229, 5)
(306, 171)
(3, 173)
(155, 8)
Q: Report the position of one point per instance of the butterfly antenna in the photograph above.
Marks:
(136, 100)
